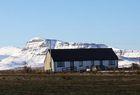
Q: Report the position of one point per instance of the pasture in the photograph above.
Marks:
(70, 84)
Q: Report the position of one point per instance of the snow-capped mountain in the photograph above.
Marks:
(13, 51)
(33, 54)
(8, 51)
(35, 50)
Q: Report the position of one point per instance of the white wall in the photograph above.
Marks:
(85, 64)
(96, 62)
(106, 62)
(59, 69)
(116, 63)
(76, 64)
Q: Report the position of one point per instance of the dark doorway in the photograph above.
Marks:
(72, 65)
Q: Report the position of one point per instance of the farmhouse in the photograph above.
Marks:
(59, 60)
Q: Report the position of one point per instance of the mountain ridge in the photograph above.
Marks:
(33, 54)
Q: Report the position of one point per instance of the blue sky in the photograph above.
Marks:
(112, 22)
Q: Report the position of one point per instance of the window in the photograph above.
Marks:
(111, 62)
(60, 64)
(80, 63)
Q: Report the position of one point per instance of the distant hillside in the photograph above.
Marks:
(33, 54)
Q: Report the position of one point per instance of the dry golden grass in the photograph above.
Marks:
(70, 84)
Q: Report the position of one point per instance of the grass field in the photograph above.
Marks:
(70, 84)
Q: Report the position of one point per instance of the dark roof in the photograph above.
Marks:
(83, 54)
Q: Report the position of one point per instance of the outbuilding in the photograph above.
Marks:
(59, 60)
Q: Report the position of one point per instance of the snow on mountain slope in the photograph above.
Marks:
(132, 53)
(6, 52)
(12, 51)
(127, 57)
(11, 62)
(3, 57)
(33, 54)
(126, 62)
(8, 56)
(35, 51)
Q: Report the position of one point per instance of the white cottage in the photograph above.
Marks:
(59, 60)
